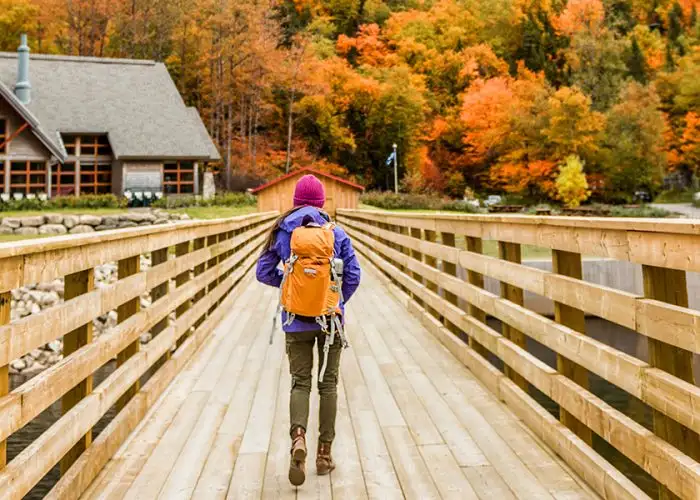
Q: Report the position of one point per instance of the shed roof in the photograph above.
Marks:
(134, 102)
(307, 170)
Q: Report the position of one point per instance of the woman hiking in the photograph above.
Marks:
(309, 278)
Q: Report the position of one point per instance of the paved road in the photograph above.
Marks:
(684, 208)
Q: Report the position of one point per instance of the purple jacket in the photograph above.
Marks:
(269, 273)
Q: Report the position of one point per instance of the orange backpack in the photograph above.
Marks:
(310, 287)
(312, 283)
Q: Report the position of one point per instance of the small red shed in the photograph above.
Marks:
(278, 194)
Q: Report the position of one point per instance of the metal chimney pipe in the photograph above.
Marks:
(23, 89)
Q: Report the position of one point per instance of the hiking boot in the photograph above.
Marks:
(297, 464)
(324, 460)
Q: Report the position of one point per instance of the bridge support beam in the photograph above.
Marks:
(570, 264)
(5, 306)
(476, 245)
(670, 285)
(77, 284)
(126, 268)
(512, 253)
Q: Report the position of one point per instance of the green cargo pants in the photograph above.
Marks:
(300, 350)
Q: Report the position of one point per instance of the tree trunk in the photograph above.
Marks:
(289, 130)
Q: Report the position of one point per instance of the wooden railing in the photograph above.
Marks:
(406, 248)
(195, 267)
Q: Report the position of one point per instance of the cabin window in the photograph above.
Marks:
(94, 145)
(89, 145)
(95, 178)
(178, 177)
(28, 177)
(3, 136)
(69, 142)
(63, 179)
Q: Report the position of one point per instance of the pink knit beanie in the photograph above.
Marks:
(309, 191)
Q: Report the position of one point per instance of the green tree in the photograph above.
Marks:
(675, 23)
(598, 67)
(16, 17)
(633, 156)
(572, 186)
(636, 63)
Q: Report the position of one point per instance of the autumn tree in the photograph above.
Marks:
(572, 186)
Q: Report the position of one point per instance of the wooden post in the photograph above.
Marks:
(158, 292)
(126, 268)
(418, 235)
(77, 284)
(512, 253)
(448, 239)
(569, 264)
(432, 262)
(198, 244)
(212, 240)
(5, 307)
(669, 285)
(182, 278)
(476, 245)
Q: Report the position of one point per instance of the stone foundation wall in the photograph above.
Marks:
(56, 224)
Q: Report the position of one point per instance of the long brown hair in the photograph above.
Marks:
(270, 241)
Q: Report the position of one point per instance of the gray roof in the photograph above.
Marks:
(134, 102)
(52, 142)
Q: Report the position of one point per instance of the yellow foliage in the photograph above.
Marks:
(572, 185)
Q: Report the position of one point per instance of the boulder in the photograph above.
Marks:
(54, 219)
(55, 346)
(12, 222)
(110, 220)
(70, 221)
(106, 227)
(53, 229)
(127, 223)
(161, 221)
(82, 228)
(27, 231)
(33, 221)
(18, 365)
(90, 220)
(138, 217)
(6, 230)
(185, 217)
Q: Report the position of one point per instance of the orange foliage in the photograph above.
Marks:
(580, 15)
(536, 177)
(368, 43)
(690, 142)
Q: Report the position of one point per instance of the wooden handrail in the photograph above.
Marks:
(671, 453)
(222, 253)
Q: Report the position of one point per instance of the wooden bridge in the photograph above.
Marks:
(445, 391)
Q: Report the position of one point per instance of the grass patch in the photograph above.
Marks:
(674, 196)
(5, 238)
(208, 213)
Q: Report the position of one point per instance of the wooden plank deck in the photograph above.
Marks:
(413, 422)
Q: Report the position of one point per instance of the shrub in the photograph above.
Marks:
(572, 185)
(89, 201)
(407, 201)
(219, 200)
(642, 211)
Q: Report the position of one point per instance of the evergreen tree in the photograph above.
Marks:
(636, 63)
(675, 23)
(693, 17)
(670, 62)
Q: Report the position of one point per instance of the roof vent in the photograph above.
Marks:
(23, 89)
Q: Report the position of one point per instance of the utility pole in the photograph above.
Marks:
(396, 171)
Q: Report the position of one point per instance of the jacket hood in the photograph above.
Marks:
(294, 220)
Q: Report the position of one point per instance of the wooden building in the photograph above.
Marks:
(88, 125)
(278, 194)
